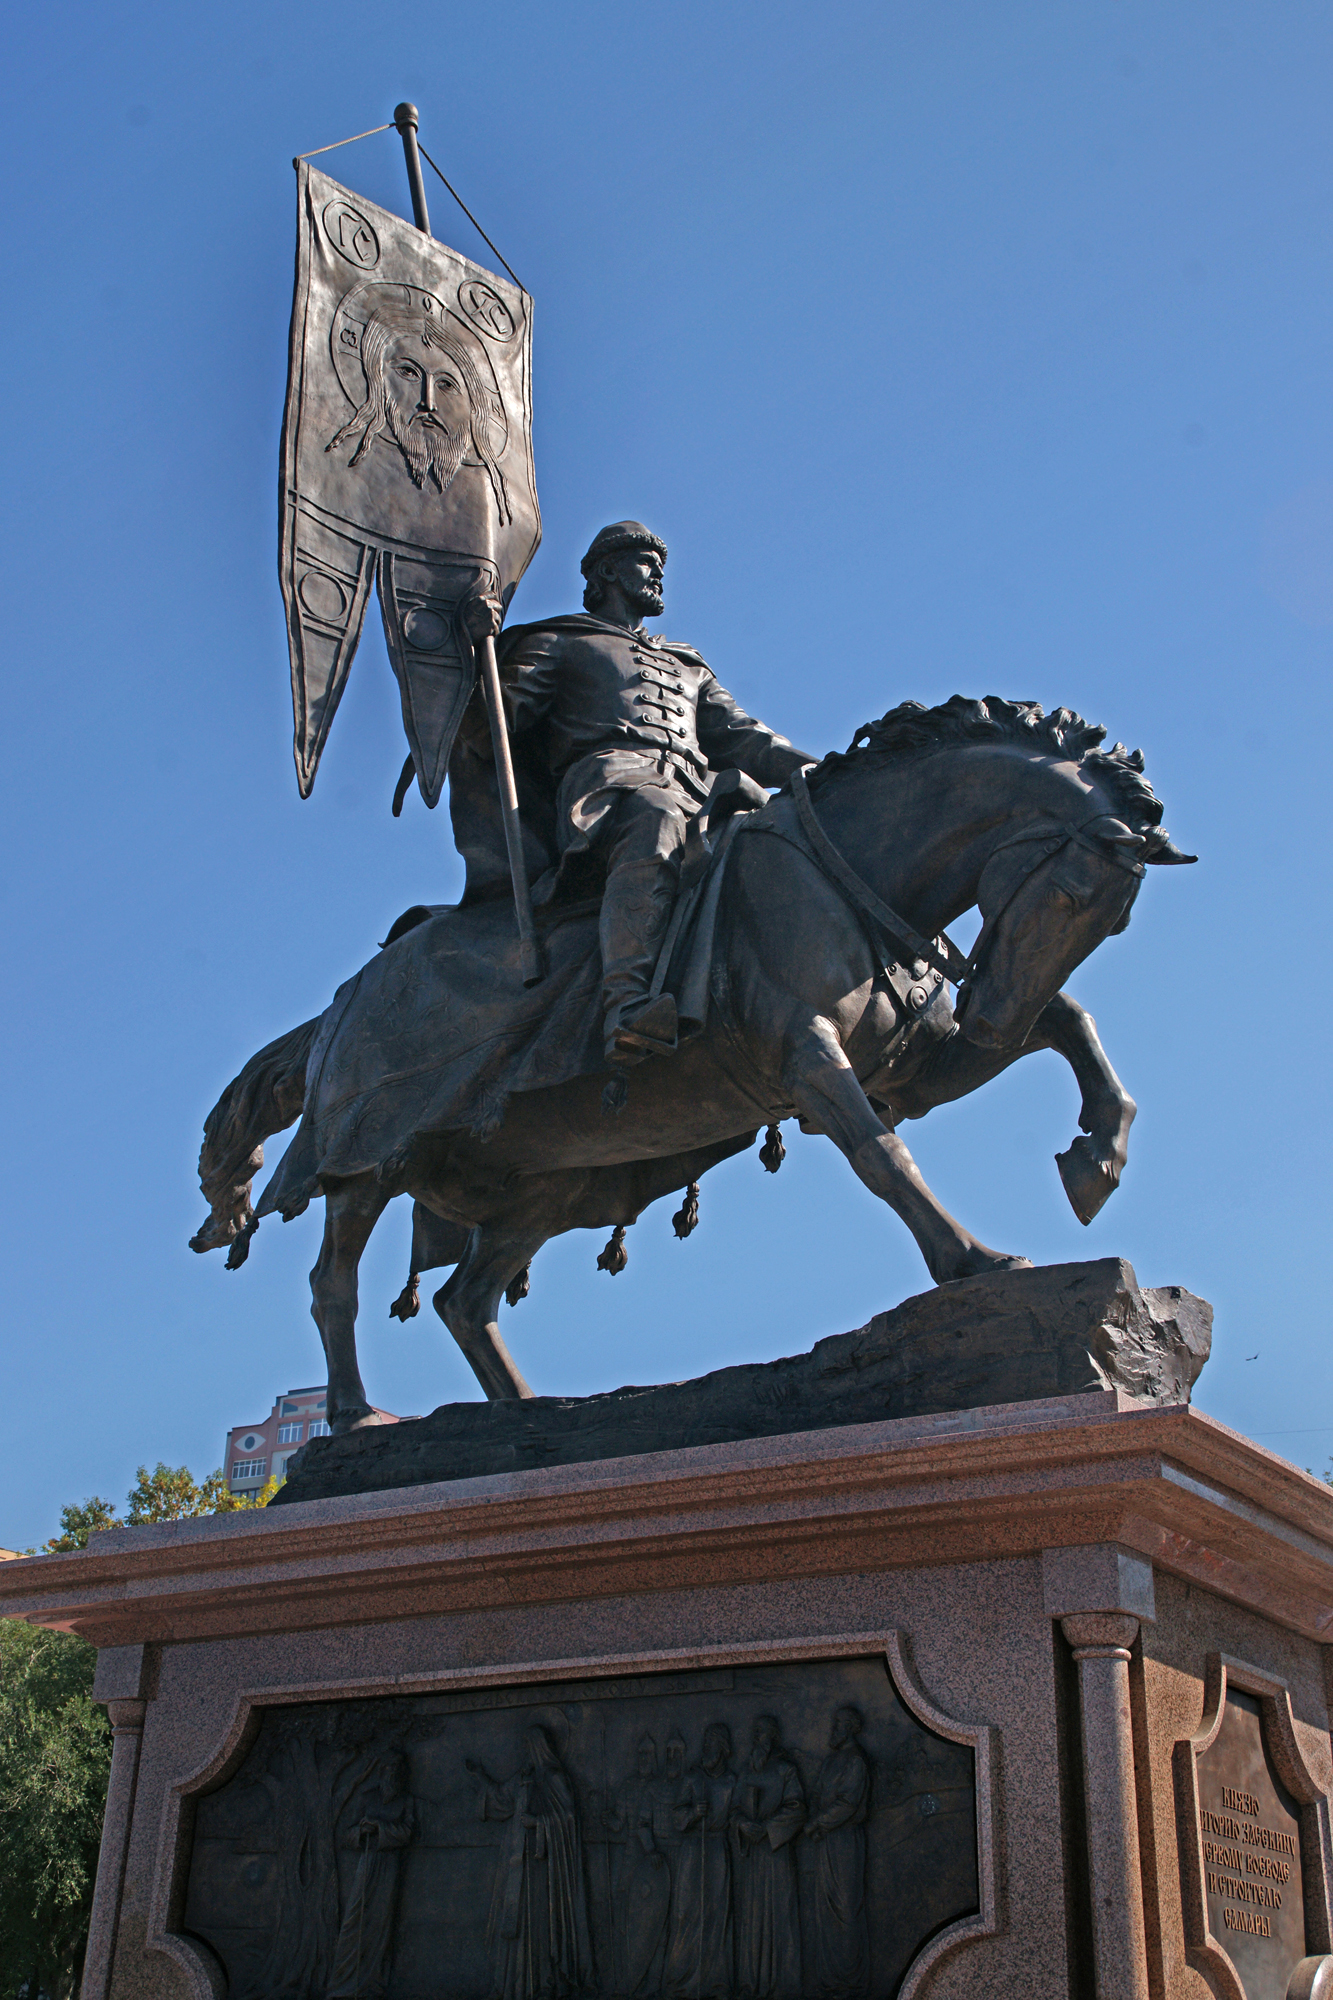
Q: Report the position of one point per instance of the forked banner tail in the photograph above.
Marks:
(406, 459)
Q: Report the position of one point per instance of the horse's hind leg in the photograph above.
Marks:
(351, 1210)
(469, 1302)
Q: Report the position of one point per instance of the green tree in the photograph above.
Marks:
(167, 1493)
(55, 1749)
(170, 1493)
(79, 1520)
(55, 1755)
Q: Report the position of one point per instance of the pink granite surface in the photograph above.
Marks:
(968, 1534)
(974, 1658)
(1170, 1484)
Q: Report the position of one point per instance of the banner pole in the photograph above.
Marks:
(530, 948)
(530, 951)
(405, 118)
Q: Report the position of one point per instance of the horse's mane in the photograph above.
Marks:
(912, 730)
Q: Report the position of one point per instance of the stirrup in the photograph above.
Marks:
(651, 1031)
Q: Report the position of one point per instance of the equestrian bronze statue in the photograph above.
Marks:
(805, 953)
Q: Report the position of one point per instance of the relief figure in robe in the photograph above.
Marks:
(538, 1929)
(659, 1844)
(383, 1822)
(309, 1773)
(643, 1879)
(700, 1953)
(770, 1809)
(840, 1940)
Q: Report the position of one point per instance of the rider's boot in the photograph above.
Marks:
(636, 911)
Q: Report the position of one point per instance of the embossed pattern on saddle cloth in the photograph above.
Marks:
(438, 1032)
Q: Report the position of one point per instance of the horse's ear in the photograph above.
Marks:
(1112, 832)
(1163, 850)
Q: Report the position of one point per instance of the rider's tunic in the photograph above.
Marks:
(628, 711)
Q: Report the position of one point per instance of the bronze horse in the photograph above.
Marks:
(829, 1003)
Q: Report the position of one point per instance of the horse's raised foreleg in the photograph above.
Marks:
(469, 1301)
(351, 1210)
(1092, 1167)
(823, 1087)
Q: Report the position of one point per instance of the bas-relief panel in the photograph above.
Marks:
(772, 1831)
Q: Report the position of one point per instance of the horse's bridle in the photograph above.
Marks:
(942, 953)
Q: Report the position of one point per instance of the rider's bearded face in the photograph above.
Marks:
(639, 574)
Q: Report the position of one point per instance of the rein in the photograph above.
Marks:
(941, 953)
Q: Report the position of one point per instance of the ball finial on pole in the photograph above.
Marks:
(407, 120)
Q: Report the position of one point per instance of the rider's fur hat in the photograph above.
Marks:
(621, 535)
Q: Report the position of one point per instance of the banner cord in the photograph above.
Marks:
(425, 156)
(470, 216)
(351, 142)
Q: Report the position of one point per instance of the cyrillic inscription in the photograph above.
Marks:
(1251, 1853)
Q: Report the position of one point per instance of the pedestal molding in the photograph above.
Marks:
(863, 1499)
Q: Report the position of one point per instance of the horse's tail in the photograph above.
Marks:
(265, 1098)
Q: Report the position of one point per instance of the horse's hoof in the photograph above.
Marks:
(240, 1248)
(518, 1288)
(979, 1262)
(356, 1417)
(1087, 1181)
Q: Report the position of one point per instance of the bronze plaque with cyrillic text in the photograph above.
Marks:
(1251, 1853)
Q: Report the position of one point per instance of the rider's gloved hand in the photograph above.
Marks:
(482, 617)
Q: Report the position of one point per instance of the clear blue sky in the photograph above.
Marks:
(951, 346)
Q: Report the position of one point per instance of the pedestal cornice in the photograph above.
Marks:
(1169, 1484)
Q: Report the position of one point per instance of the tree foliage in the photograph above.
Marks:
(171, 1494)
(55, 1749)
(167, 1493)
(79, 1520)
(55, 1755)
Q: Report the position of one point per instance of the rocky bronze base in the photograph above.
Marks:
(1013, 1337)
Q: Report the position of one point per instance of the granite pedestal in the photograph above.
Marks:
(1025, 1701)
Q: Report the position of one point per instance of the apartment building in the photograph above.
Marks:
(258, 1452)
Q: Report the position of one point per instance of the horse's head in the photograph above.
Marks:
(998, 804)
(1047, 898)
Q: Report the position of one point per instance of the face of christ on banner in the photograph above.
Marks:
(424, 392)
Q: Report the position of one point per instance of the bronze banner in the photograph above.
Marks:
(406, 457)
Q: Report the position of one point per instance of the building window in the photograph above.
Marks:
(320, 1429)
(249, 1468)
(289, 1406)
(289, 1434)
